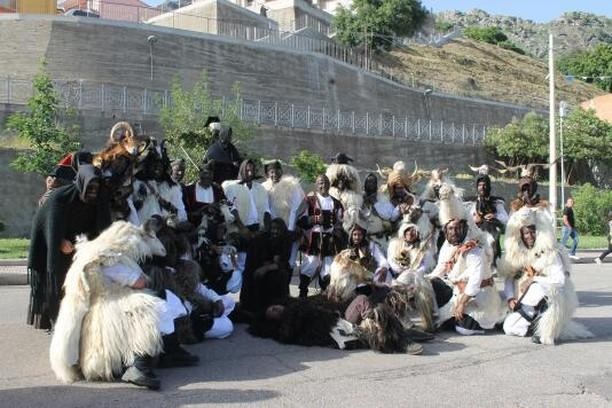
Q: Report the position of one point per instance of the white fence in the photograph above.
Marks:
(129, 100)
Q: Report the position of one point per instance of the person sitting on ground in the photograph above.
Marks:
(538, 286)
(265, 280)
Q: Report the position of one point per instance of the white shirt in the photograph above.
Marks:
(325, 204)
(204, 195)
(474, 267)
(121, 274)
(500, 212)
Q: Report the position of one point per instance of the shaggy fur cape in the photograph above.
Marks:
(101, 325)
(281, 194)
(556, 322)
(234, 190)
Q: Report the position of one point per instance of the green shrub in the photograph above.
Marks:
(308, 165)
(509, 45)
(491, 35)
(591, 206)
(443, 26)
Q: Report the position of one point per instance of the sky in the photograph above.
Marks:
(540, 11)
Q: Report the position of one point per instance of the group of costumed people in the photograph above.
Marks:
(127, 263)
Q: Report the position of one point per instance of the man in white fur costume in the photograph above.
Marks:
(538, 288)
(286, 200)
(107, 321)
(464, 264)
(252, 213)
(377, 212)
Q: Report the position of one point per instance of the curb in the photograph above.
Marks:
(12, 279)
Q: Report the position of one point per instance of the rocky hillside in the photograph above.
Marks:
(573, 30)
(476, 69)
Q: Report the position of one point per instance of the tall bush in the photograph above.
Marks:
(45, 127)
(591, 206)
(308, 165)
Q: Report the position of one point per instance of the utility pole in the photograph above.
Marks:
(552, 147)
(562, 114)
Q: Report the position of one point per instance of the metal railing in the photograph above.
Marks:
(130, 100)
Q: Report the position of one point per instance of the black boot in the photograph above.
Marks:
(324, 282)
(174, 355)
(141, 374)
(304, 282)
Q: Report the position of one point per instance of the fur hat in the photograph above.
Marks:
(451, 205)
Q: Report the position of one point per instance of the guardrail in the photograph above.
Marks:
(130, 100)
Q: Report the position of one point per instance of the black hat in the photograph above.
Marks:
(341, 158)
(63, 172)
(212, 119)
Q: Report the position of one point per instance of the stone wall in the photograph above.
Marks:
(118, 53)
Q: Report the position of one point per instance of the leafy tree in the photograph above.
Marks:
(308, 165)
(45, 127)
(595, 65)
(586, 137)
(521, 141)
(374, 22)
(443, 26)
(184, 121)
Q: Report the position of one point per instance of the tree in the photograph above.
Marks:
(586, 137)
(308, 165)
(45, 127)
(374, 22)
(593, 65)
(184, 121)
(521, 141)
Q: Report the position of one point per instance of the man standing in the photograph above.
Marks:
(224, 156)
(286, 198)
(79, 208)
(323, 225)
(569, 228)
(178, 171)
(488, 212)
(252, 211)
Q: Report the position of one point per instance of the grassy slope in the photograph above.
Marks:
(476, 69)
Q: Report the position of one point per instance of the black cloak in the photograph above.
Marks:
(63, 216)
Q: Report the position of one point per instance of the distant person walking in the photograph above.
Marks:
(569, 228)
(605, 253)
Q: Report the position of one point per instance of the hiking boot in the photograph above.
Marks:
(414, 349)
(141, 378)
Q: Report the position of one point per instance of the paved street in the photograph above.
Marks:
(486, 371)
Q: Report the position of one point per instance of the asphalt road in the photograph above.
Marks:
(484, 371)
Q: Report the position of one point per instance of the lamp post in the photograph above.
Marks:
(562, 113)
(151, 40)
(552, 147)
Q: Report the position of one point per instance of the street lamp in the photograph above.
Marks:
(562, 113)
(552, 147)
(151, 40)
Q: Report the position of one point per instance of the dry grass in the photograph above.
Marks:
(469, 68)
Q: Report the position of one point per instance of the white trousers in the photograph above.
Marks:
(235, 282)
(310, 264)
(515, 324)
(222, 326)
(172, 309)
